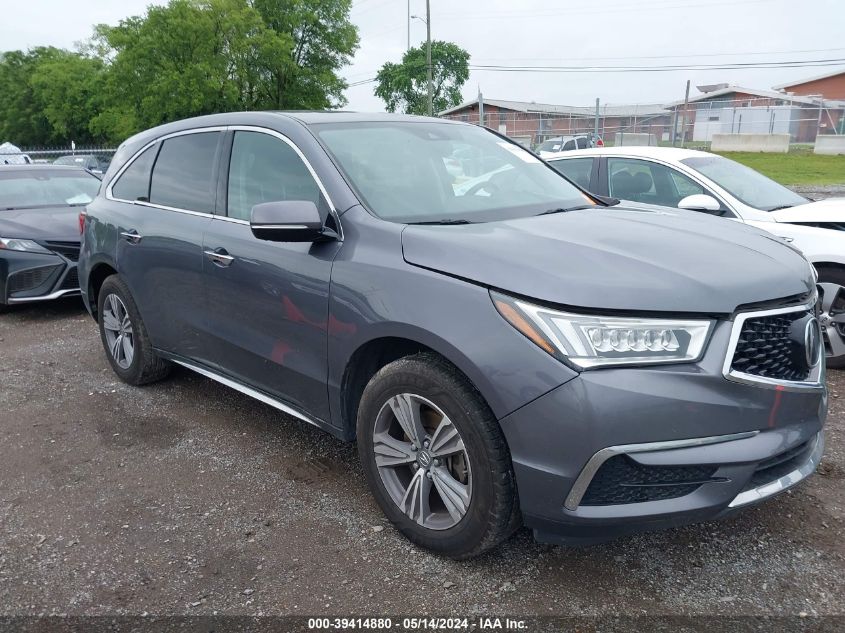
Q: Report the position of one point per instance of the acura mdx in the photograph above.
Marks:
(505, 350)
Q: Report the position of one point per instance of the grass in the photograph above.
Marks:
(799, 167)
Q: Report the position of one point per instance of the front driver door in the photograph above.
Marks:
(268, 301)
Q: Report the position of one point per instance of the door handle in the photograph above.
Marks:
(133, 237)
(220, 257)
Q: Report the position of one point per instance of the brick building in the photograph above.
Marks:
(531, 123)
(828, 86)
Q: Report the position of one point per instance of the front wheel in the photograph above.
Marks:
(435, 458)
(832, 317)
(124, 336)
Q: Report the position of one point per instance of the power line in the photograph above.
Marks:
(689, 56)
(665, 68)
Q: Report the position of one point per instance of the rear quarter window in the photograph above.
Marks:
(134, 183)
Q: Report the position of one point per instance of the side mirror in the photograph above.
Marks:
(289, 221)
(700, 202)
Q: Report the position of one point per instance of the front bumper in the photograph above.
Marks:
(28, 277)
(619, 451)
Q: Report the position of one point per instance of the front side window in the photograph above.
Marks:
(134, 182)
(578, 170)
(582, 142)
(430, 172)
(745, 184)
(183, 175)
(569, 146)
(266, 169)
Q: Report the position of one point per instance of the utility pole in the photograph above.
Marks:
(596, 123)
(480, 108)
(428, 57)
(409, 26)
(684, 116)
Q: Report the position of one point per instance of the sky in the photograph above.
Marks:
(539, 33)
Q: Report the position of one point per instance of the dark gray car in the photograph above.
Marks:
(505, 349)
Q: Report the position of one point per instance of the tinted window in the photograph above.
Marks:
(183, 176)
(134, 183)
(582, 142)
(266, 169)
(578, 170)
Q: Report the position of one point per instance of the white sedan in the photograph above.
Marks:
(700, 181)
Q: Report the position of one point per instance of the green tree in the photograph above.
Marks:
(404, 86)
(22, 120)
(194, 57)
(68, 89)
(324, 41)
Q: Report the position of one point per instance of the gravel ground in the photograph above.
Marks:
(186, 497)
(820, 192)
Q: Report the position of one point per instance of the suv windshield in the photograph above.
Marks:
(443, 172)
(30, 189)
(745, 184)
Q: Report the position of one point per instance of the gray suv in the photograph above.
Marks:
(506, 350)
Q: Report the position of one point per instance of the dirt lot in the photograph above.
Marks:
(186, 497)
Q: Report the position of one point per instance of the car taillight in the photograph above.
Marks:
(82, 215)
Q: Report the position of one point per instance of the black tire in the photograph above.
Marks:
(833, 276)
(493, 512)
(146, 366)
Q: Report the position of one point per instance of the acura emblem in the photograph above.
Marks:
(812, 342)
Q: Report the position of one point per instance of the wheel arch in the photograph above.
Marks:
(368, 358)
(97, 275)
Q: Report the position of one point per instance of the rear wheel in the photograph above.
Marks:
(435, 458)
(832, 317)
(124, 336)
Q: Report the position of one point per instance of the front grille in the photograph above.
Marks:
(71, 280)
(621, 480)
(776, 467)
(765, 349)
(70, 250)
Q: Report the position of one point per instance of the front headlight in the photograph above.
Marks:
(14, 244)
(586, 341)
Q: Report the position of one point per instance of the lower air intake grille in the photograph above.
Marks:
(71, 281)
(28, 279)
(621, 480)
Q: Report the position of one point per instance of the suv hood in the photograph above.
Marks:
(830, 210)
(44, 223)
(617, 259)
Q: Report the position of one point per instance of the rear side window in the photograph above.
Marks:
(582, 142)
(134, 183)
(266, 169)
(578, 170)
(183, 176)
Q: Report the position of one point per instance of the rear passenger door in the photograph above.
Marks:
(268, 301)
(171, 191)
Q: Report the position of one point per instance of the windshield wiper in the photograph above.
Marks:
(781, 206)
(565, 209)
(443, 221)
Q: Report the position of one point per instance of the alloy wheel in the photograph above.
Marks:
(117, 327)
(832, 319)
(422, 461)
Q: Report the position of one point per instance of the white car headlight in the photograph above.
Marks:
(14, 244)
(587, 341)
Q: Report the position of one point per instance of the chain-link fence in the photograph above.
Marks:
(533, 124)
(90, 157)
